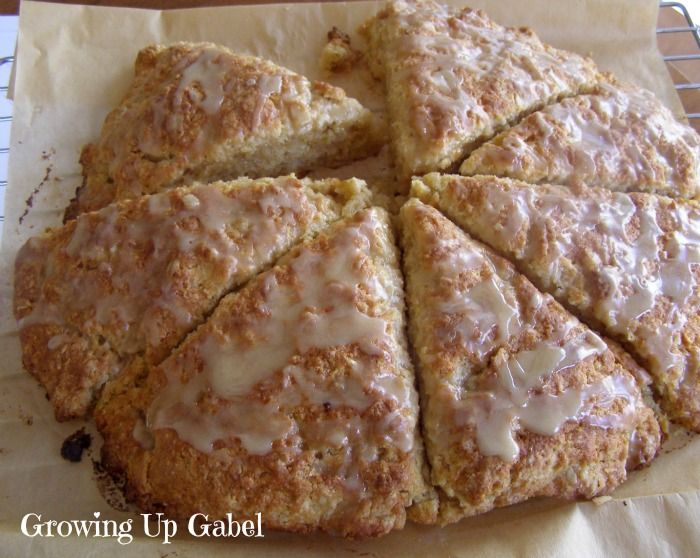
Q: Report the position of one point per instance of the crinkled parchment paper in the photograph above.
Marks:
(74, 64)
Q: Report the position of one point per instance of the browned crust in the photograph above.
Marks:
(290, 489)
(270, 122)
(60, 294)
(581, 461)
(465, 200)
(624, 151)
(425, 134)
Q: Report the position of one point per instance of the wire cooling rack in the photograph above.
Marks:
(8, 37)
(692, 29)
(8, 33)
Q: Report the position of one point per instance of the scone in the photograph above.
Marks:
(518, 398)
(136, 276)
(200, 112)
(629, 264)
(295, 399)
(454, 78)
(621, 137)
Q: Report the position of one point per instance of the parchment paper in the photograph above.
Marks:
(74, 64)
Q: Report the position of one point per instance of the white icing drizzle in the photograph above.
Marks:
(486, 316)
(124, 275)
(514, 396)
(267, 85)
(311, 304)
(57, 340)
(202, 81)
(635, 263)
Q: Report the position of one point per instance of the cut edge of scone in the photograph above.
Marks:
(619, 136)
(73, 344)
(671, 356)
(183, 121)
(414, 154)
(457, 357)
(284, 412)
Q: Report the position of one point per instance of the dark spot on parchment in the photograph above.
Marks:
(29, 202)
(73, 446)
(111, 486)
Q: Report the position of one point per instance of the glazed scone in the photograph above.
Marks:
(136, 276)
(200, 112)
(295, 399)
(621, 137)
(629, 264)
(455, 78)
(518, 398)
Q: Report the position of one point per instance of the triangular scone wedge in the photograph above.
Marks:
(455, 78)
(518, 398)
(629, 264)
(621, 138)
(136, 276)
(200, 112)
(295, 399)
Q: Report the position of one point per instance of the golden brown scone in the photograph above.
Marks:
(518, 398)
(629, 264)
(136, 276)
(620, 137)
(454, 78)
(200, 112)
(295, 399)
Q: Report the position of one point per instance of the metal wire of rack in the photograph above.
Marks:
(691, 27)
(5, 120)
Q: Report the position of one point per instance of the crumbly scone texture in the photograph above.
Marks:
(471, 316)
(628, 264)
(455, 78)
(620, 137)
(136, 276)
(200, 112)
(294, 399)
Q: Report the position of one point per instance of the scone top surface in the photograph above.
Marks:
(136, 276)
(454, 78)
(519, 399)
(198, 111)
(628, 263)
(619, 137)
(295, 399)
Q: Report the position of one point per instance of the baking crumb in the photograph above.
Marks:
(600, 500)
(111, 486)
(29, 202)
(624, 503)
(73, 446)
(26, 419)
(338, 55)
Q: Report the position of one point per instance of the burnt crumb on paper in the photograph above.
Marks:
(73, 446)
(338, 56)
(112, 487)
(29, 202)
(26, 419)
